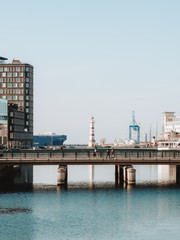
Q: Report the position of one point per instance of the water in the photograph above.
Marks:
(151, 210)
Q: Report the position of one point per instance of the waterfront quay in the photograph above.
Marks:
(124, 161)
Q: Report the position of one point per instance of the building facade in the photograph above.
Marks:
(3, 121)
(171, 126)
(16, 86)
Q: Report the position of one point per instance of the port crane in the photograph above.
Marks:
(135, 127)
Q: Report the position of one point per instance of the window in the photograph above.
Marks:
(9, 74)
(20, 84)
(27, 79)
(9, 97)
(6, 69)
(27, 110)
(14, 97)
(1, 79)
(1, 91)
(3, 74)
(27, 85)
(9, 85)
(14, 84)
(27, 69)
(15, 74)
(1, 69)
(27, 104)
(20, 97)
(27, 97)
(18, 80)
(7, 91)
(10, 91)
(11, 135)
(4, 97)
(18, 91)
(20, 74)
(18, 69)
(3, 85)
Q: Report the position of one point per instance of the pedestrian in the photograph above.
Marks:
(95, 152)
(112, 154)
(108, 153)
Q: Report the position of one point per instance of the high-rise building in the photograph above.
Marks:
(16, 85)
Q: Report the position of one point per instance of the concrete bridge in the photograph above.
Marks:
(123, 160)
(129, 156)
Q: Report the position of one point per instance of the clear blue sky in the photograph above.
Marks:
(101, 58)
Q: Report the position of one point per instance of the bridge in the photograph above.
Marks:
(129, 156)
(124, 160)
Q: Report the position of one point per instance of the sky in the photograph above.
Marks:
(96, 58)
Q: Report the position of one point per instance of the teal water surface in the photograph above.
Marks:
(150, 210)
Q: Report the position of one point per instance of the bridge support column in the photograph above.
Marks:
(116, 175)
(131, 176)
(125, 173)
(120, 176)
(62, 175)
(178, 174)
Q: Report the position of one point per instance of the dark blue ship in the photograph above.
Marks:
(49, 140)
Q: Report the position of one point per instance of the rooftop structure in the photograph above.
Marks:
(3, 59)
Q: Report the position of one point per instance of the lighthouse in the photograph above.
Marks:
(91, 133)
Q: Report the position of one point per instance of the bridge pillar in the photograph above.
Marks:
(131, 176)
(62, 175)
(125, 173)
(116, 174)
(178, 174)
(120, 175)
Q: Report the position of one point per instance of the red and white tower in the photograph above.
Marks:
(91, 133)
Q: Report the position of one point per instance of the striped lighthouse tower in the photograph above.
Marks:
(91, 133)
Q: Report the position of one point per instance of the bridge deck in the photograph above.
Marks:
(85, 157)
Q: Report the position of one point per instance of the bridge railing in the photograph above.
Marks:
(87, 155)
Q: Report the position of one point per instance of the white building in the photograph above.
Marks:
(171, 126)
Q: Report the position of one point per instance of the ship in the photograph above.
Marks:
(49, 139)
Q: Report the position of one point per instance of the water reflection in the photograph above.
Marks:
(92, 176)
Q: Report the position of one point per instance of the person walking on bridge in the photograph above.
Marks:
(112, 154)
(95, 152)
(108, 153)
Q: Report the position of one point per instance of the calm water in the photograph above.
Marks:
(151, 210)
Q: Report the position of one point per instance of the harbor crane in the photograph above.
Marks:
(135, 127)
